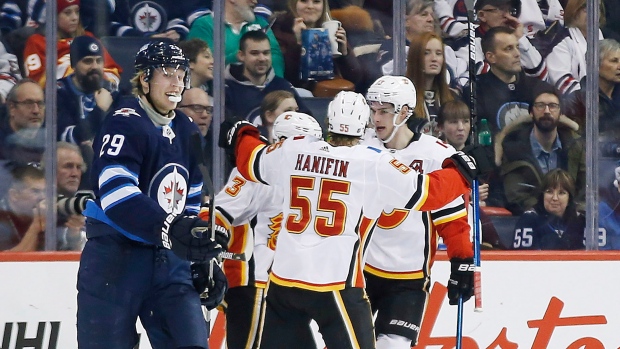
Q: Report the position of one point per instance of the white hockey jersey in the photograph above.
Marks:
(405, 241)
(241, 201)
(332, 198)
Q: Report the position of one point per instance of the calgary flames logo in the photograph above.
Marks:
(275, 226)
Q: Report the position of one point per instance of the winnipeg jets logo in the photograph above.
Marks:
(172, 191)
(126, 112)
(148, 17)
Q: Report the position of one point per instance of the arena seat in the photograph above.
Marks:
(123, 50)
(318, 108)
(505, 227)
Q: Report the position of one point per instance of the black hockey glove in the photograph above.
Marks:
(461, 281)
(211, 289)
(465, 164)
(231, 129)
(484, 156)
(189, 237)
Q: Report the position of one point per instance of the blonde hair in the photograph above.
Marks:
(136, 84)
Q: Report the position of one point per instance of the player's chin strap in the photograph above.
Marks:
(396, 127)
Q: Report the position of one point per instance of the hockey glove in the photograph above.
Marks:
(461, 281)
(211, 289)
(189, 237)
(465, 164)
(230, 131)
(484, 156)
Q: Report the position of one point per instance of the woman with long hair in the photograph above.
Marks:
(426, 67)
(553, 223)
(69, 27)
(307, 14)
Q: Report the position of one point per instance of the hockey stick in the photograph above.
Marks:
(474, 118)
(459, 324)
(196, 146)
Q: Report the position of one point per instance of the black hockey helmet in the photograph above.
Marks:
(158, 54)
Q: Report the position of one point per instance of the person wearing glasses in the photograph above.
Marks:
(531, 147)
(198, 105)
(21, 134)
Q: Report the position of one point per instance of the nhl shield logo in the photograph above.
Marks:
(148, 17)
(171, 188)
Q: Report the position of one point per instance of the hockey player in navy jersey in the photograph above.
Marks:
(141, 229)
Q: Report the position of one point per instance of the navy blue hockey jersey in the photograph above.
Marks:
(142, 172)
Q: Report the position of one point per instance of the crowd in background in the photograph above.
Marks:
(530, 80)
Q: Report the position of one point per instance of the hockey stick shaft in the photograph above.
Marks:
(474, 118)
(196, 147)
(459, 323)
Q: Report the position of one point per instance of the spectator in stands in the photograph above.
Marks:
(250, 80)
(608, 94)
(454, 124)
(200, 62)
(501, 13)
(164, 19)
(553, 223)
(532, 146)
(69, 27)
(301, 15)
(69, 169)
(22, 210)
(21, 135)
(534, 15)
(274, 104)
(421, 19)
(567, 60)
(84, 97)
(239, 18)
(426, 67)
(505, 92)
(364, 38)
(198, 105)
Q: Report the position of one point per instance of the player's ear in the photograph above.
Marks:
(144, 84)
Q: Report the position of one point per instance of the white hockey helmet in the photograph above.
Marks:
(398, 90)
(290, 123)
(348, 114)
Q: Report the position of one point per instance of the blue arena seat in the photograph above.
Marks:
(505, 227)
(123, 50)
(318, 108)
